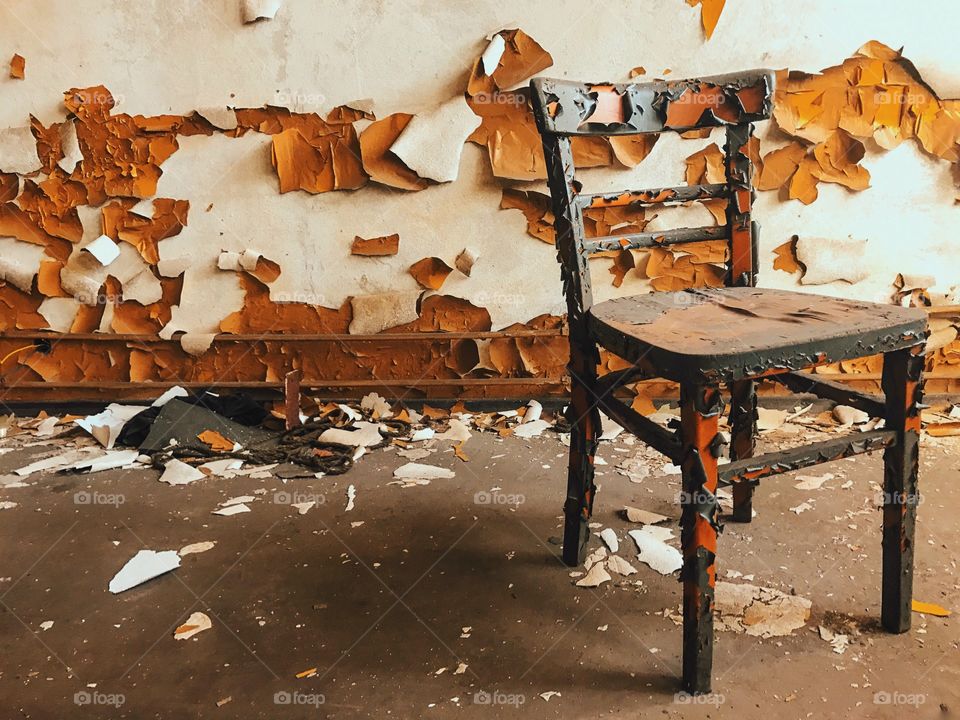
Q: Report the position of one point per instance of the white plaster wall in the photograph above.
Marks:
(407, 55)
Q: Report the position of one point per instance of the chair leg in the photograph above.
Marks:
(700, 407)
(584, 435)
(743, 423)
(902, 386)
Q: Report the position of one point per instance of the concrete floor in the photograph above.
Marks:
(379, 608)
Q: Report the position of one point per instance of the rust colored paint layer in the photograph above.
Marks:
(448, 314)
(18, 67)
(18, 224)
(375, 247)
(138, 319)
(706, 166)
(622, 214)
(321, 163)
(877, 94)
(435, 364)
(382, 165)
(430, 272)
(511, 57)
(700, 408)
(351, 113)
(710, 11)
(168, 219)
(508, 131)
(786, 257)
(19, 311)
(9, 187)
(260, 315)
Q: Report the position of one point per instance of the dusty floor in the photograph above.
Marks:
(379, 607)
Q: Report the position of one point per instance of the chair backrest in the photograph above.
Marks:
(565, 109)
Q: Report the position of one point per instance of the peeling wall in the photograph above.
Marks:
(248, 220)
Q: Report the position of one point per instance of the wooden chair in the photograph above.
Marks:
(704, 337)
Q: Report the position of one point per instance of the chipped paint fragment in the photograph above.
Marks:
(432, 142)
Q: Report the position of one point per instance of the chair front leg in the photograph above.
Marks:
(700, 408)
(902, 386)
(584, 436)
(743, 440)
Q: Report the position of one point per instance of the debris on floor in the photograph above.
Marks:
(653, 551)
(770, 419)
(199, 547)
(838, 641)
(234, 506)
(419, 471)
(754, 610)
(617, 564)
(609, 537)
(847, 415)
(634, 544)
(196, 623)
(193, 436)
(176, 472)
(763, 612)
(812, 482)
(144, 566)
(801, 508)
(645, 517)
(105, 427)
(926, 608)
(180, 423)
(596, 576)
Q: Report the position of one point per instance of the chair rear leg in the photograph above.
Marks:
(700, 407)
(743, 440)
(902, 386)
(584, 436)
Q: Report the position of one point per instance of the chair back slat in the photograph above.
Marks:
(572, 108)
(638, 241)
(565, 109)
(654, 196)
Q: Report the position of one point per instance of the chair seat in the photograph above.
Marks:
(727, 334)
